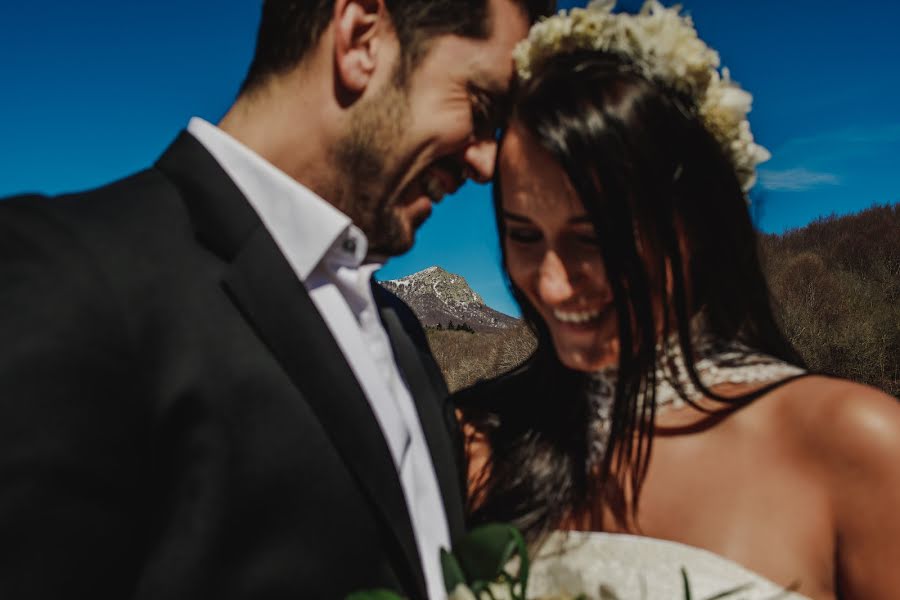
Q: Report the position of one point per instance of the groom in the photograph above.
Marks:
(201, 393)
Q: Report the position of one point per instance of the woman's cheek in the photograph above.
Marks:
(517, 266)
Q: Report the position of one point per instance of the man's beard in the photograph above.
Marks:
(367, 192)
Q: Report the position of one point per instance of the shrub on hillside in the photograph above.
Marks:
(466, 357)
(836, 289)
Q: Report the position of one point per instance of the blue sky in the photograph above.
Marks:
(93, 91)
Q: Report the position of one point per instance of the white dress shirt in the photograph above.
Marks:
(326, 252)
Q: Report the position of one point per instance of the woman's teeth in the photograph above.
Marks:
(577, 316)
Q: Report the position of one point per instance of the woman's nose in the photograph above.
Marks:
(555, 284)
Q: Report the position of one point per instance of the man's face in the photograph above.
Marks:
(418, 140)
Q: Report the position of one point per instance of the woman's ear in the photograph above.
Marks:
(358, 28)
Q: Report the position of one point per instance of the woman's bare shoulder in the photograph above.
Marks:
(839, 421)
(851, 433)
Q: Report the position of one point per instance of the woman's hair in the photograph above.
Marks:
(660, 191)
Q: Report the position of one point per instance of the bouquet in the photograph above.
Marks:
(492, 563)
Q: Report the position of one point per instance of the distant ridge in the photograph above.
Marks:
(440, 298)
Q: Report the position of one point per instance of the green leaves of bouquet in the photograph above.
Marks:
(478, 567)
(489, 563)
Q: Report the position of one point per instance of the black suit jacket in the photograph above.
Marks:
(176, 420)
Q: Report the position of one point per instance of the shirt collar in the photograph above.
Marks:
(348, 249)
(304, 226)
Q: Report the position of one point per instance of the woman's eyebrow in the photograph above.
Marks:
(515, 217)
(576, 220)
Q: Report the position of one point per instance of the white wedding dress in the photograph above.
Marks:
(606, 566)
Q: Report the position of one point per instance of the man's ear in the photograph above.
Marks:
(358, 25)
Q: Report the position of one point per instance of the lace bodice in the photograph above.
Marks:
(608, 566)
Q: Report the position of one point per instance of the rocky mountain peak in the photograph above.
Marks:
(439, 297)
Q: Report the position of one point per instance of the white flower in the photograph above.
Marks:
(665, 47)
(602, 5)
(735, 102)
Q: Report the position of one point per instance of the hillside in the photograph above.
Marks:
(440, 298)
(836, 287)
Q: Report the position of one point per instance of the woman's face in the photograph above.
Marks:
(553, 256)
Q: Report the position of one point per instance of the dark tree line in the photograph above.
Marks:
(453, 327)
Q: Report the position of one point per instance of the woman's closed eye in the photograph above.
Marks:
(523, 235)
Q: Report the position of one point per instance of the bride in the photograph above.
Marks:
(663, 406)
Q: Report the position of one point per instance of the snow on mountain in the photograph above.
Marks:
(439, 298)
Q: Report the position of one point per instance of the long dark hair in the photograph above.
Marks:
(660, 191)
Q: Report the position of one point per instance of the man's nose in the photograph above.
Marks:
(555, 283)
(480, 158)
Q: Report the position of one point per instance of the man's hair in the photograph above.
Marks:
(288, 29)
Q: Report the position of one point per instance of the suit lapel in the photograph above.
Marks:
(277, 305)
(432, 405)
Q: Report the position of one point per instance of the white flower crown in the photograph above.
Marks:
(663, 45)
